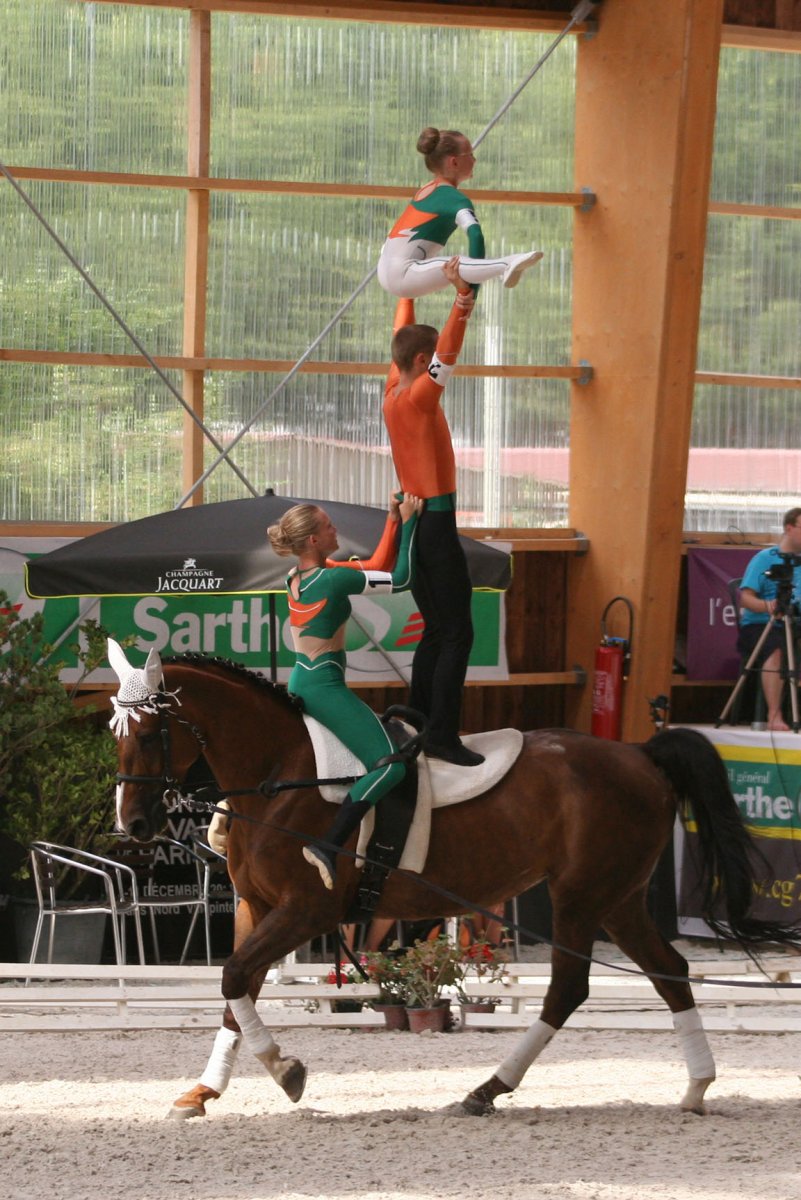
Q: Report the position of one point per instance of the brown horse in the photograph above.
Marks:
(589, 816)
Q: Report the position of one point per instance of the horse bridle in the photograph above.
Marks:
(173, 794)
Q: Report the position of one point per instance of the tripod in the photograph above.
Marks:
(783, 609)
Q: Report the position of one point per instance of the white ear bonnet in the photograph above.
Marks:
(138, 687)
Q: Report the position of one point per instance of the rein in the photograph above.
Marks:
(470, 906)
(174, 797)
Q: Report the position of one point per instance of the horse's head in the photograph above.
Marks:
(152, 760)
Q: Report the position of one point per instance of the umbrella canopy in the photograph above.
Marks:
(217, 548)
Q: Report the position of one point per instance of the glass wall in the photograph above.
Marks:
(743, 472)
(103, 88)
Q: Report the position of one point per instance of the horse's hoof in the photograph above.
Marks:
(480, 1103)
(293, 1079)
(192, 1103)
(693, 1100)
(476, 1105)
(182, 1112)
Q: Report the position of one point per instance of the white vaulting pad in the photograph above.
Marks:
(439, 783)
(452, 785)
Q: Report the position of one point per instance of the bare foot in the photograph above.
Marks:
(778, 724)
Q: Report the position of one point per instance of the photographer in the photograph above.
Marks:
(774, 570)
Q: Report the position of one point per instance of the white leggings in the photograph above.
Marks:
(408, 277)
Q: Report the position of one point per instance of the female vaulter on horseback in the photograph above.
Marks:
(319, 591)
(411, 259)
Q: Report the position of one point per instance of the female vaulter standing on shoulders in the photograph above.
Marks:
(319, 592)
(411, 259)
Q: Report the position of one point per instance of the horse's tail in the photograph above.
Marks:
(728, 856)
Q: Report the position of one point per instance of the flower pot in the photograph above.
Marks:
(475, 1006)
(395, 1015)
(434, 1019)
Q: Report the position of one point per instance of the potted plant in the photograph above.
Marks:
(480, 963)
(344, 974)
(386, 969)
(429, 968)
(57, 761)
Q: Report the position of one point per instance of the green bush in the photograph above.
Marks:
(57, 762)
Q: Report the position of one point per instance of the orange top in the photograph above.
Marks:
(418, 430)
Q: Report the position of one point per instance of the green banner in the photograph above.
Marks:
(251, 628)
(764, 770)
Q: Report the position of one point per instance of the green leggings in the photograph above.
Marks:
(327, 698)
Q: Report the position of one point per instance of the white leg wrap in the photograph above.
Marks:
(220, 1066)
(258, 1038)
(529, 1047)
(697, 1055)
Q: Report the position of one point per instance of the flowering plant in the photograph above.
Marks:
(429, 967)
(340, 974)
(386, 969)
(480, 962)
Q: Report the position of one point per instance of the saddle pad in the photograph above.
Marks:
(439, 783)
(451, 784)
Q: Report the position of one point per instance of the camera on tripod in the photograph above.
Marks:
(787, 613)
(782, 575)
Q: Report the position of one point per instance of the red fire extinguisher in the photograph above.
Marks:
(611, 665)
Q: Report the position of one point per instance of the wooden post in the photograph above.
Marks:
(197, 243)
(645, 112)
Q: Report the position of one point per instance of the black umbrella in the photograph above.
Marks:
(217, 548)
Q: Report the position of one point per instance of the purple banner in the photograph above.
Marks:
(711, 619)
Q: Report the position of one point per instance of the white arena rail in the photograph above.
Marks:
(62, 997)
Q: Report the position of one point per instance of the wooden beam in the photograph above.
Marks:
(466, 16)
(645, 112)
(288, 187)
(786, 383)
(65, 529)
(87, 358)
(568, 679)
(775, 213)
(523, 541)
(197, 247)
(753, 37)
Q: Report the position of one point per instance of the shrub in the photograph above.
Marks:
(57, 762)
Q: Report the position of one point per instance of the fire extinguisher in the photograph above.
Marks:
(611, 666)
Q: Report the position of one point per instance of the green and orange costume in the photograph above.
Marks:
(412, 257)
(319, 608)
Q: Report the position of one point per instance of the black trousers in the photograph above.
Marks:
(442, 591)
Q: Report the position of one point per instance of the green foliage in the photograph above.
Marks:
(57, 764)
(386, 970)
(428, 968)
(418, 976)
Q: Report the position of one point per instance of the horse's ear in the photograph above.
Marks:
(154, 672)
(117, 660)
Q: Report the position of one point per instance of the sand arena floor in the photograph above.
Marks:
(83, 1115)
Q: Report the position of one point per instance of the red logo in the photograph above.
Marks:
(412, 630)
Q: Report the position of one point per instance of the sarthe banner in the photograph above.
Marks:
(764, 770)
(251, 628)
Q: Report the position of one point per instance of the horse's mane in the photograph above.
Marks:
(227, 667)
